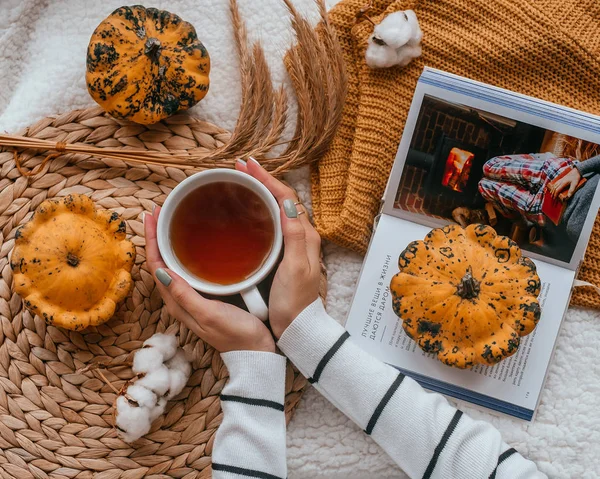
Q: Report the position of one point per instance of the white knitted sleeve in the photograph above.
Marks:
(250, 441)
(422, 433)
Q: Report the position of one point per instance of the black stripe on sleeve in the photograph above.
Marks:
(440, 447)
(503, 457)
(328, 356)
(253, 402)
(243, 471)
(381, 406)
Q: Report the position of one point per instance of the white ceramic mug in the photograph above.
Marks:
(247, 288)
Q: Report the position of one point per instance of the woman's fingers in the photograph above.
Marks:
(179, 313)
(294, 236)
(313, 246)
(280, 191)
(303, 215)
(312, 238)
(554, 188)
(203, 310)
(572, 188)
(560, 186)
(240, 165)
(153, 258)
(302, 244)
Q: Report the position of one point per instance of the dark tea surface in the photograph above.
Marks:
(222, 232)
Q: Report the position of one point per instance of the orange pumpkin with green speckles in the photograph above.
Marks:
(72, 263)
(145, 64)
(466, 295)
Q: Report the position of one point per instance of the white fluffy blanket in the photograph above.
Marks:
(42, 65)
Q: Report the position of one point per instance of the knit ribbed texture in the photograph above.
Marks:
(548, 49)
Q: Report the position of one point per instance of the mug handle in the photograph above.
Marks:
(255, 303)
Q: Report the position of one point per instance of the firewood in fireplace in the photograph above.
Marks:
(491, 212)
(465, 216)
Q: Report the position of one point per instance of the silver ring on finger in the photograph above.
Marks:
(300, 211)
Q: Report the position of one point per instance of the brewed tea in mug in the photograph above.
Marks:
(222, 232)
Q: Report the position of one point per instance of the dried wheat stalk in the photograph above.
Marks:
(315, 66)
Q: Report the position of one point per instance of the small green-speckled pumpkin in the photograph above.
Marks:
(72, 263)
(145, 64)
(467, 295)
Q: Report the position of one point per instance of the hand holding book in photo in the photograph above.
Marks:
(560, 189)
(566, 184)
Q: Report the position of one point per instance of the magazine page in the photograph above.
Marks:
(472, 153)
(512, 386)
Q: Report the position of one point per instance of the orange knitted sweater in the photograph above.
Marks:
(549, 49)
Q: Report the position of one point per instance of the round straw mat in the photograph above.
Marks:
(55, 419)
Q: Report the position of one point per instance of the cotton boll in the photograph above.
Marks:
(394, 29)
(407, 53)
(158, 410)
(147, 360)
(178, 382)
(144, 397)
(396, 40)
(132, 422)
(179, 373)
(180, 363)
(157, 380)
(165, 343)
(380, 56)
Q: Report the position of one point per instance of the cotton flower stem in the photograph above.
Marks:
(103, 364)
(362, 13)
(105, 379)
(121, 392)
(117, 392)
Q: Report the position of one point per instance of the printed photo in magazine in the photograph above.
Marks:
(531, 184)
(473, 153)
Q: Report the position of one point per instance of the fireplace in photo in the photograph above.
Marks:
(448, 149)
(457, 170)
(452, 171)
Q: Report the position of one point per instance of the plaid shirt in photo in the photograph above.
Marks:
(516, 184)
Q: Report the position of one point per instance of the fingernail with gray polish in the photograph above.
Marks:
(254, 160)
(153, 208)
(241, 162)
(163, 277)
(290, 209)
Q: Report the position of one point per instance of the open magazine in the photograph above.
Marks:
(471, 151)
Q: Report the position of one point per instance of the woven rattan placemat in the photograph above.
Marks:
(55, 420)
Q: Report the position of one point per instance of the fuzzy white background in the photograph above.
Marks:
(42, 66)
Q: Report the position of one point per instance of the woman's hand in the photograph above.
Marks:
(223, 326)
(296, 283)
(568, 182)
